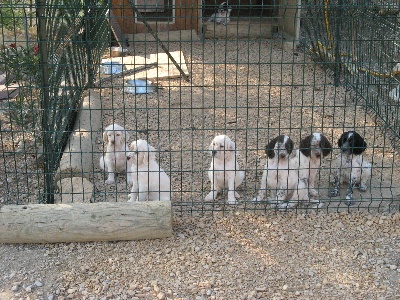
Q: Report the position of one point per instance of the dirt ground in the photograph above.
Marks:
(251, 91)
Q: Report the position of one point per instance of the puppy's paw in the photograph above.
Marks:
(110, 181)
(211, 196)
(363, 188)
(233, 201)
(333, 193)
(349, 199)
(313, 193)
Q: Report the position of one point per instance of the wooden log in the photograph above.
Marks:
(82, 222)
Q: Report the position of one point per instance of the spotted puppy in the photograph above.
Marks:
(312, 150)
(351, 166)
(281, 175)
(222, 15)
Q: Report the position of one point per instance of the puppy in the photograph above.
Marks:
(351, 168)
(308, 159)
(114, 160)
(224, 172)
(150, 182)
(222, 14)
(281, 175)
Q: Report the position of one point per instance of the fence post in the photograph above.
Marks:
(48, 192)
(338, 22)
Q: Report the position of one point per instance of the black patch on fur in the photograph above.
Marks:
(325, 146)
(357, 144)
(305, 146)
(269, 149)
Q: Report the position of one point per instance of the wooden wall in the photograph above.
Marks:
(186, 17)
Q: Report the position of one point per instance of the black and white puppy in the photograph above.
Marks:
(312, 150)
(222, 14)
(352, 168)
(281, 175)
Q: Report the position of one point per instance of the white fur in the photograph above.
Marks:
(150, 182)
(114, 160)
(222, 15)
(351, 168)
(281, 175)
(224, 172)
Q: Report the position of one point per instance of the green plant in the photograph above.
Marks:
(11, 15)
(21, 65)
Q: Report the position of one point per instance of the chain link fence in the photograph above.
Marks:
(179, 73)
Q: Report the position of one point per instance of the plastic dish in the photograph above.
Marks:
(140, 86)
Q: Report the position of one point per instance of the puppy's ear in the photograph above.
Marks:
(105, 137)
(232, 146)
(125, 136)
(269, 149)
(325, 146)
(151, 153)
(341, 139)
(305, 146)
(211, 147)
(359, 144)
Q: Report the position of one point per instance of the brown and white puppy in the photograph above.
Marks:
(351, 166)
(114, 160)
(150, 182)
(224, 172)
(281, 176)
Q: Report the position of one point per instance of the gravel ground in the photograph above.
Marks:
(232, 256)
(256, 255)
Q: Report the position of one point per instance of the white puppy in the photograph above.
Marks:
(281, 175)
(114, 160)
(150, 182)
(224, 172)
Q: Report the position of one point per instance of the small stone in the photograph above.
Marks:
(38, 283)
(393, 267)
(161, 296)
(285, 287)
(50, 297)
(71, 291)
(15, 288)
(28, 288)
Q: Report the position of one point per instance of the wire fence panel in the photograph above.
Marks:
(185, 101)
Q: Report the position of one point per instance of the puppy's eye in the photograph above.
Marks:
(221, 146)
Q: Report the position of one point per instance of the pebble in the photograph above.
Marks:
(161, 296)
(15, 288)
(38, 283)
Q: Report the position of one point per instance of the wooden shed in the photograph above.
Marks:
(249, 18)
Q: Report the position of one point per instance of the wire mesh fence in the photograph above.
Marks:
(179, 75)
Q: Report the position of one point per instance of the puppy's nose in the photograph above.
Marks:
(128, 157)
(214, 152)
(282, 154)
